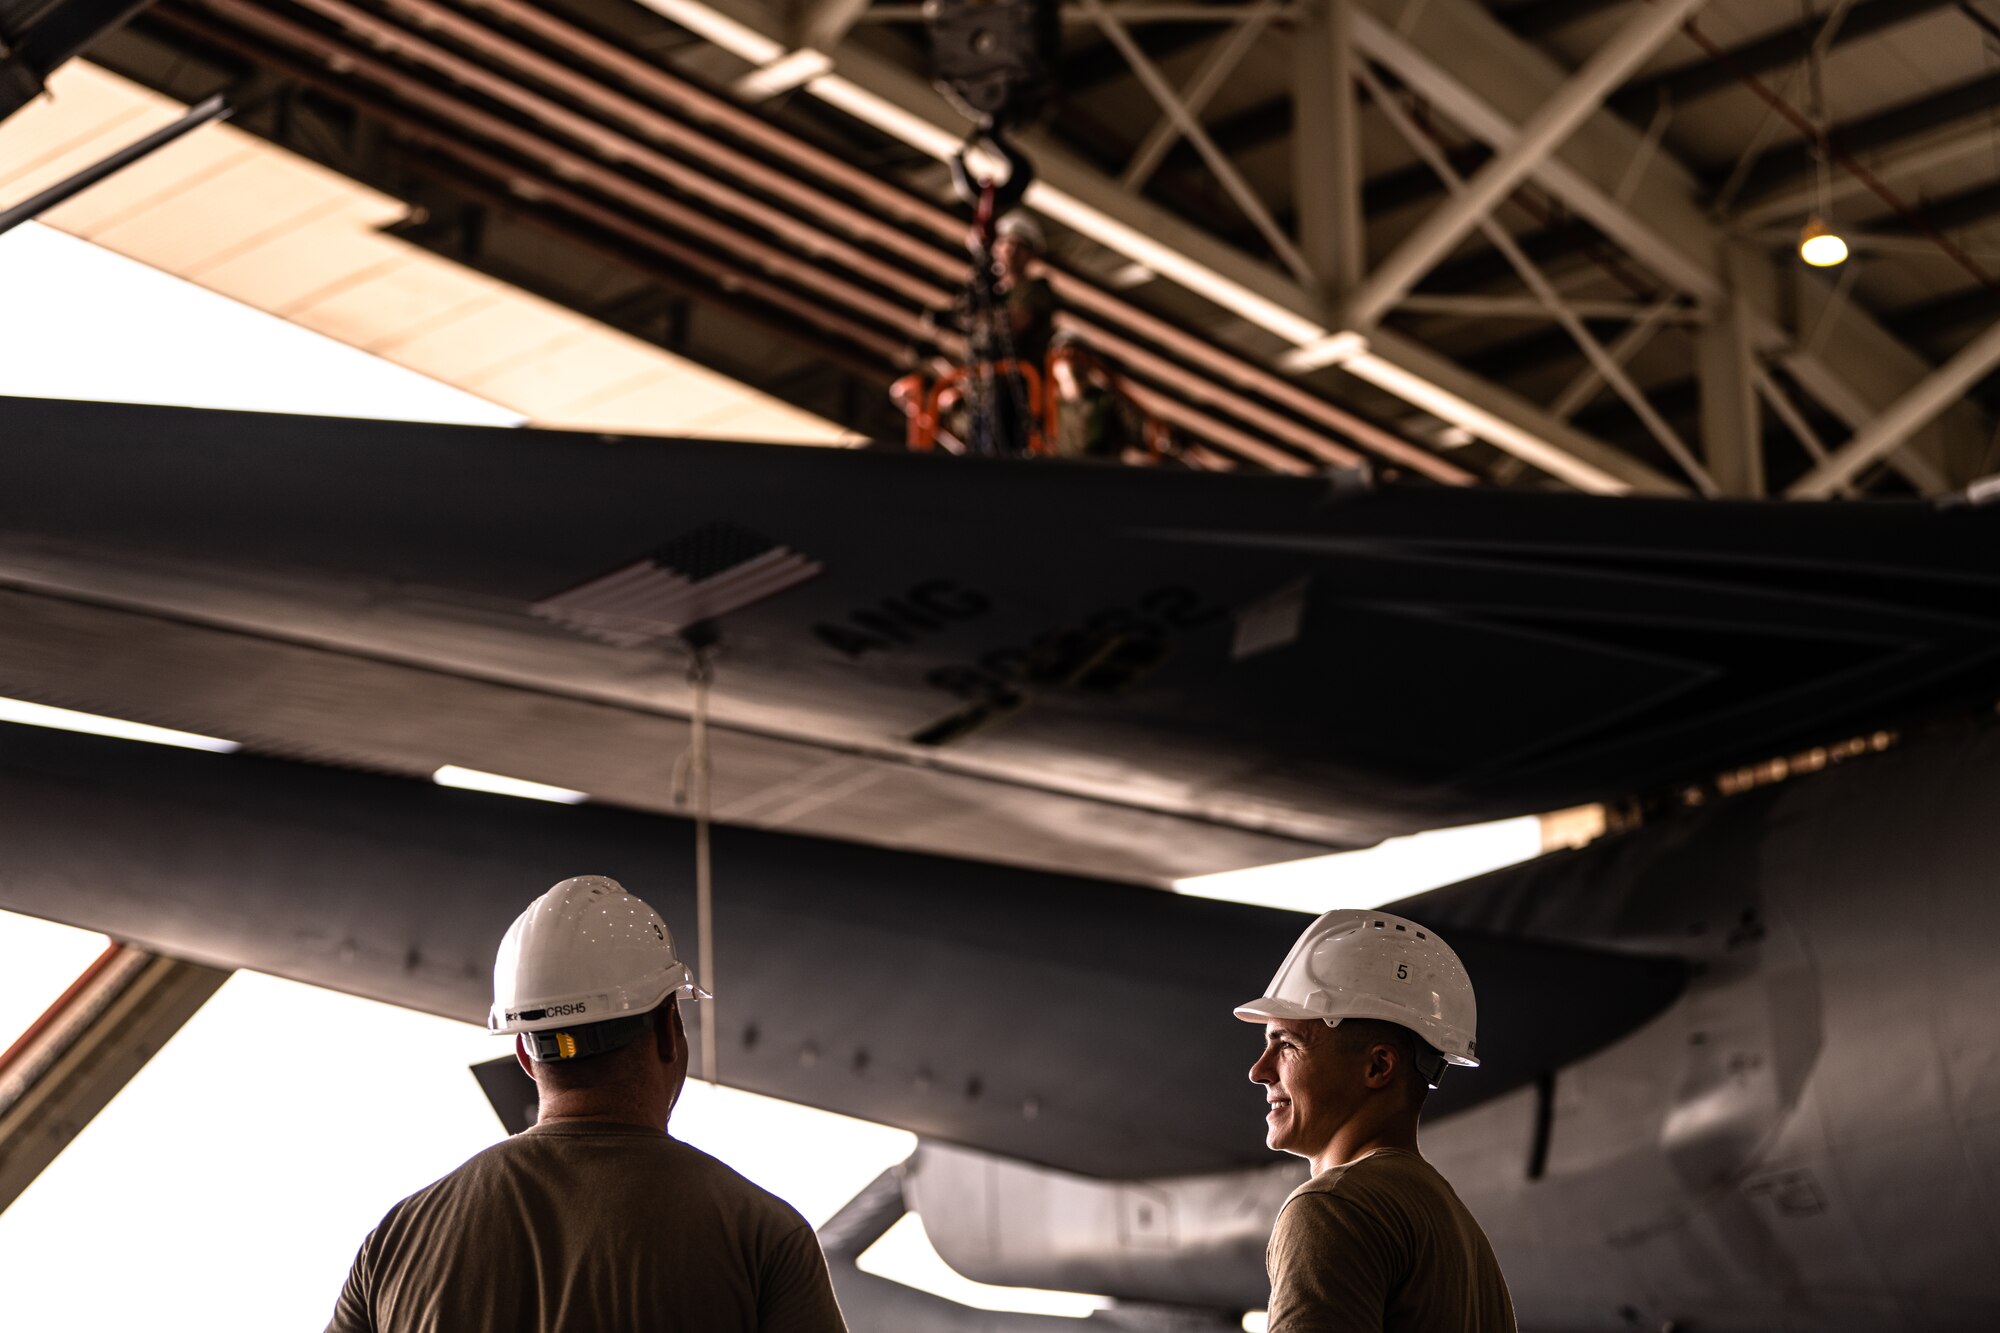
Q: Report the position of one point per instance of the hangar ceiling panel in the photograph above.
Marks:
(237, 215)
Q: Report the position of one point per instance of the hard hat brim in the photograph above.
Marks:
(1267, 1008)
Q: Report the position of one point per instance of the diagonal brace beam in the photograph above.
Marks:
(78, 1056)
(1574, 103)
(1902, 418)
(1605, 363)
(1225, 171)
(1207, 81)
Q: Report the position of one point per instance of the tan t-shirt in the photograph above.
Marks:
(1383, 1245)
(590, 1228)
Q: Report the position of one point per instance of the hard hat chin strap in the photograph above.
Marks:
(1430, 1062)
(591, 1039)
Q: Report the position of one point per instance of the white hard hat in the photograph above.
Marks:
(1351, 964)
(1024, 229)
(584, 952)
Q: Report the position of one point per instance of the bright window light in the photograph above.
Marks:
(905, 1254)
(1396, 869)
(451, 775)
(290, 1222)
(63, 719)
(1256, 1322)
(38, 961)
(814, 1160)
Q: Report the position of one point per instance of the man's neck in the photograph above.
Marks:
(1352, 1142)
(601, 1106)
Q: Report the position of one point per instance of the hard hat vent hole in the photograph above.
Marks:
(1399, 926)
(1380, 924)
(1421, 935)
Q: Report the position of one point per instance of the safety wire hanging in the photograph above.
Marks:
(995, 61)
(691, 785)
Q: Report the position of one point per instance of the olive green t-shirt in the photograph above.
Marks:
(1383, 1245)
(590, 1228)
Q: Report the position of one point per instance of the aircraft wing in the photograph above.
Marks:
(1134, 672)
(1075, 1023)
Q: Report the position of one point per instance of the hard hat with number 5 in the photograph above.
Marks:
(584, 954)
(1352, 964)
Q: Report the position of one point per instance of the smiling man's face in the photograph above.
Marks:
(1313, 1084)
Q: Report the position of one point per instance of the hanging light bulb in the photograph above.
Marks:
(1820, 245)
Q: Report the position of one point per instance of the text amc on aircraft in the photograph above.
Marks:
(1741, 1063)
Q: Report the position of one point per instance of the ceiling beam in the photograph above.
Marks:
(1467, 64)
(1559, 115)
(1965, 105)
(1704, 76)
(1544, 291)
(1255, 126)
(900, 102)
(1791, 200)
(1083, 70)
(1924, 400)
(1537, 18)
(50, 35)
(1941, 318)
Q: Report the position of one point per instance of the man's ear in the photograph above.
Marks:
(667, 1033)
(521, 1054)
(1383, 1060)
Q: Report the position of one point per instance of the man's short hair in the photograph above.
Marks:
(616, 1065)
(1422, 1061)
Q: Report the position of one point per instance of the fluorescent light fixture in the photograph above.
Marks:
(1373, 876)
(1332, 350)
(782, 75)
(739, 39)
(62, 719)
(471, 779)
(1131, 275)
(1457, 411)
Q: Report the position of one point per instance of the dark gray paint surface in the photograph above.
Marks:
(1460, 655)
(1068, 1021)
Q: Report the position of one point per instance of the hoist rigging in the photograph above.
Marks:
(1023, 388)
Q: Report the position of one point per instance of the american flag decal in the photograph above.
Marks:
(707, 573)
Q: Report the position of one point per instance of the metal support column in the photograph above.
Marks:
(1326, 149)
(78, 1056)
(1732, 438)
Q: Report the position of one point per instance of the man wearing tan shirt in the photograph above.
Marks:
(595, 1218)
(1359, 1024)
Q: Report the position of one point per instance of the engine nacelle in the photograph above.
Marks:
(1185, 1240)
